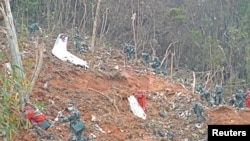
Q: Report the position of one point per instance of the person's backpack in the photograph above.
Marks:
(44, 124)
(77, 126)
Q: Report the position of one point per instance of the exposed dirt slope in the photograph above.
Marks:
(102, 92)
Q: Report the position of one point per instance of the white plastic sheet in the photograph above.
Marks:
(61, 52)
(136, 108)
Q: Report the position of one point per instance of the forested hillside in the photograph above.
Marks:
(196, 41)
(199, 35)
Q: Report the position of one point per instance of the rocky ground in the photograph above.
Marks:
(101, 92)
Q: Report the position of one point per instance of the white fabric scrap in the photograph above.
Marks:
(98, 128)
(60, 51)
(136, 108)
(7, 67)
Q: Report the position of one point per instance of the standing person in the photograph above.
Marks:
(36, 117)
(205, 95)
(241, 98)
(218, 98)
(232, 100)
(198, 110)
(33, 27)
(198, 87)
(76, 125)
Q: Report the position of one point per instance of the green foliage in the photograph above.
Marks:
(236, 34)
(180, 18)
(207, 22)
(239, 34)
(243, 7)
(176, 11)
(10, 113)
(196, 35)
(40, 106)
(178, 14)
(211, 41)
(210, 50)
(30, 6)
(216, 60)
(30, 9)
(11, 87)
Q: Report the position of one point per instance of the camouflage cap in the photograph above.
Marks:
(71, 103)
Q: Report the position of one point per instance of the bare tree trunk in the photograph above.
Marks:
(84, 17)
(12, 39)
(94, 26)
(135, 42)
(172, 63)
(75, 15)
(104, 30)
(48, 14)
(194, 82)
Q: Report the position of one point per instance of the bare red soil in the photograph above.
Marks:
(103, 94)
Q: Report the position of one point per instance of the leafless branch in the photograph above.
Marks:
(37, 72)
(167, 53)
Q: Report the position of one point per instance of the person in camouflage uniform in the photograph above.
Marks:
(73, 118)
(240, 98)
(129, 50)
(156, 63)
(198, 87)
(232, 100)
(77, 44)
(205, 95)
(33, 27)
(146, 57)
(218, 97)
(198, 110)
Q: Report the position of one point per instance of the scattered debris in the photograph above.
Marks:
(168, 110)
(98, 128)
(136, 108)
(7, 68)
(60, 51)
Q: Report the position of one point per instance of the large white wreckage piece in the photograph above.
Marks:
(61, 52)
(136, 108)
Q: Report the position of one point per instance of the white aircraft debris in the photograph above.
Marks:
(61, 52)
(136, 108)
